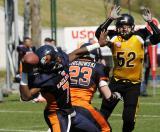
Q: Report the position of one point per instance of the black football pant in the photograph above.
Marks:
(130, 93)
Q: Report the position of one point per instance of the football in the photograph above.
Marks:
(30, 58)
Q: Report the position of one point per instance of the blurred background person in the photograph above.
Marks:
(53, 42)
(24, 47)
(47, 41)
(146, 73)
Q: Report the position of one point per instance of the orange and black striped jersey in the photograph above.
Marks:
(54, 86)
(85, 76)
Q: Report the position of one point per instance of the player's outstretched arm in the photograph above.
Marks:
(25, 92)
(147, 16)
(114, 14)
(81, 51)
(108, 95)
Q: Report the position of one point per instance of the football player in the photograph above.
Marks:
(51, 78)
(86, 75)
(128, 54)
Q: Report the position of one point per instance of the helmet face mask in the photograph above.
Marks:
(48, 58)
(125, 26)
(124, 30)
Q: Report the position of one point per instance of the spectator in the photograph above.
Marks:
(53, 42)
(47, 40)
(147, 67)
(22, 49)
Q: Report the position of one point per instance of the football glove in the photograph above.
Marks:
(147, 16)
(114, 14)
(116, 95)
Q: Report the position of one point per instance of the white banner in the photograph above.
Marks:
(75, 36)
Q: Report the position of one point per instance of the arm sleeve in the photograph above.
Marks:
(42, 80)
(154, 28)
(103, 26)
(148, 37)
(155, 37)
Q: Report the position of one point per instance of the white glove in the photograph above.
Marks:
(147, 16)
(116, 95)
(114, 14)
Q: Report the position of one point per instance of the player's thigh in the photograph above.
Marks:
(80, 122)
(131, 102)
(56, 121)
(94, 116)
(132, 95)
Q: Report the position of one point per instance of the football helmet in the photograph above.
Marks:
(125, 26)
(95, 54)
(47, 58)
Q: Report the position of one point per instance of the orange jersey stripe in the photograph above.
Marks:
(80, 94)
(51, 102)
(95, 114)
(53, 118)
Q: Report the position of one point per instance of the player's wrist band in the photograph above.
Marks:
(92, 47)
(103, 83)
(24, 79)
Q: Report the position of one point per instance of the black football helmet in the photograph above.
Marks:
(95, 54)
(125, 25)
(47, 58)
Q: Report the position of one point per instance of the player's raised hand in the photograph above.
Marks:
(115, 10)
(103, 39)
(147, 16)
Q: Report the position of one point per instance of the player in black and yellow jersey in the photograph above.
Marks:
(51, 77)
(128, 54)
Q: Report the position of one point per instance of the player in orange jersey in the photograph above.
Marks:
(51, 77)
(86, 75)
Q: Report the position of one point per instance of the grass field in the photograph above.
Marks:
(16, 116)
(72, 13)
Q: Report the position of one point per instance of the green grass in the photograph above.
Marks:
(148, 116)
(26, 116)
(16, 115)
(72, 13)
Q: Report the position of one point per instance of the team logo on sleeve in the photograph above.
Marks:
(118, 44)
